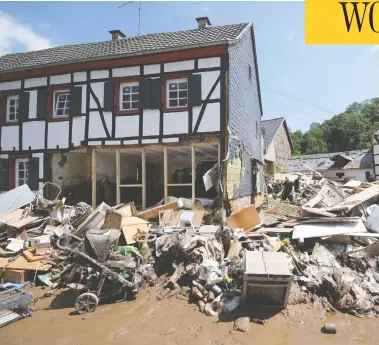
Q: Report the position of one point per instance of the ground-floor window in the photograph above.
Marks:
(340, 175)
(22, 171)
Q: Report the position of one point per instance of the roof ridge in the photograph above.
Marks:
(127, 38)
(276, 118)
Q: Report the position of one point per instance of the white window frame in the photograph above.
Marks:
(175, 81)
(121, 98)
(17, 171)
(55, 103)
(9, 99)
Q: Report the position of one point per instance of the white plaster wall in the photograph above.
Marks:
(9, 138)
(176, 122)
(127, 126)
(179, 66)
(10, 85)
(376, 159)
(73, 172)
(126, 71)
(170, 140)
(211, 118)
(207, 81)
(60, 79)
(78, 129)
(270, 154)
(209, 62)
(80, 76)
(33, 135)
(96, 128)
(354, 174)
(98, 89)
(150, 122)
(150, 141)
(33, 82)
(84, 98)
(376, 149)
(57, 134)
(99, 74)
(151, 69)
(32, 104)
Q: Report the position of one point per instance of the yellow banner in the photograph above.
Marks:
(341, 22)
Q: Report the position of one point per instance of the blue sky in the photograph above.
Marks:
(303, 83)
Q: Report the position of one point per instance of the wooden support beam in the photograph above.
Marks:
(143, 178)
(93, 172)
(179, 184)
(193, 167)
(165, 168)
(118, 202)
(130, 185)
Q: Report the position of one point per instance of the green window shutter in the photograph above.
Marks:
(108, 96)
(194, 90)
(4, 175)
(42, 104)
(145, 93)
(23, 113)
(156, 93)
(76, 101)
(33, 180)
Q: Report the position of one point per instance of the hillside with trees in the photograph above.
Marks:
(351, 130)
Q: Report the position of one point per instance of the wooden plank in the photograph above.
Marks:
(154, 211)
(118, 177)
(130, 185)
(179, 184)
(16, 219)
(93, 172)
(165, 174)
(193, 167)
(143, 178)
(22, 264)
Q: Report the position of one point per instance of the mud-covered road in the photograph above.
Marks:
(149, 321)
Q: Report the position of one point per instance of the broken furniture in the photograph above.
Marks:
(266, 278)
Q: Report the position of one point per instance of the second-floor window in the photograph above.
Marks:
(129, 96)
(177, 93)
(12, 108)
(61, 105)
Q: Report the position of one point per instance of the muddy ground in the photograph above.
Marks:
(148, 321)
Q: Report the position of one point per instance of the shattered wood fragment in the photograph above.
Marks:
(154, 211)
(284, 209)
(247, 219)
(175, 276)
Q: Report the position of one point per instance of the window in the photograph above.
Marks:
(129, 96)
(250, 73)
(340, 175)
(256, 129)
(61, 103)
(22, 171)
(177, 93)
(12, 108)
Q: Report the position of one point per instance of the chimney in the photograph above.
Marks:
(116, 35)
(203, 22)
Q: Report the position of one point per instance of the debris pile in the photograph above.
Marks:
(319, 243)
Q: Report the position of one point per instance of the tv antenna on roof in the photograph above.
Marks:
(139, 12)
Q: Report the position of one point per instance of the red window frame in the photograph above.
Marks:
(50, 102)
(116, 99)
(3, 108)
(166, 79)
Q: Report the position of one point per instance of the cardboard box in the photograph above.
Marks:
(14, 276)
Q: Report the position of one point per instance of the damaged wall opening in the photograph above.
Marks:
(148, 175)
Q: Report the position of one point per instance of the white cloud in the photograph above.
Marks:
(45, 25)
(374, 49)
(204, 9)
(14, 33)
(290, 36)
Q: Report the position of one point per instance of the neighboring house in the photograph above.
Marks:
(352, 165)
(277, 143)
(137, 118)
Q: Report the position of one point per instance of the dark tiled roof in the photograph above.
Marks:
(126, 46)
(360, 159)
(270, 128)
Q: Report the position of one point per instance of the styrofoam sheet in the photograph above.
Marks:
(322, 230)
